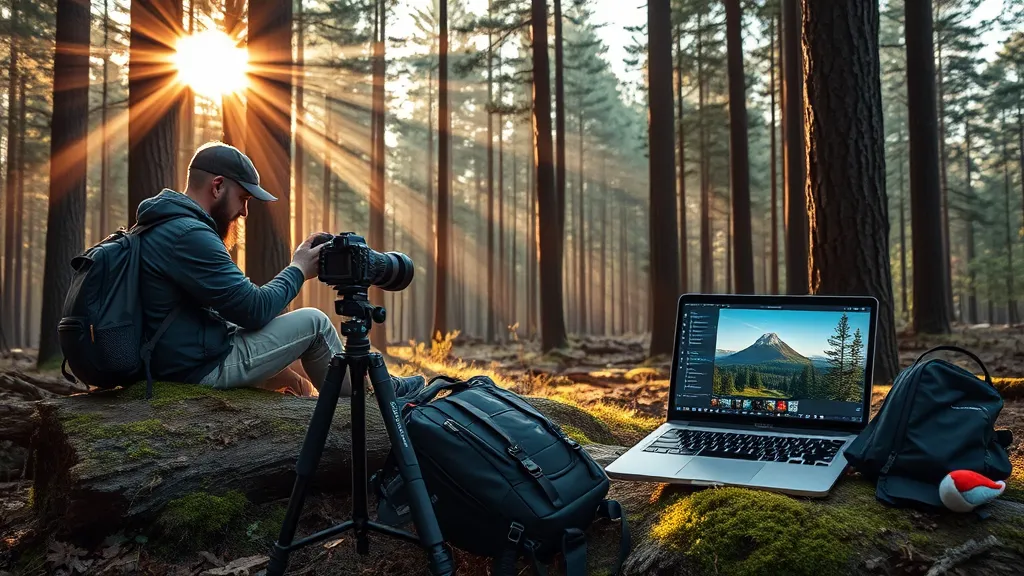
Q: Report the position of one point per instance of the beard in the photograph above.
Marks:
(227, 225)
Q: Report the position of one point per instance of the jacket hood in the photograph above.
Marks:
(171, 203)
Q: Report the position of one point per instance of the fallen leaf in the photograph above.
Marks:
(212, 559)
(240, 567)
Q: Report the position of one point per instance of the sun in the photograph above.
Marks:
(211, 64)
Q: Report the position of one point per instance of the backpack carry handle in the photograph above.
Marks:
(435, 386)
(967, 353)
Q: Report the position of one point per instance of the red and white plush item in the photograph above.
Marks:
(964, 490)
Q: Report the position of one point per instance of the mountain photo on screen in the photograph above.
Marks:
(791, 354)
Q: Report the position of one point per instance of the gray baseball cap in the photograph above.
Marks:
(222, 159)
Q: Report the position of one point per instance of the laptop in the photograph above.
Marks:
(766, 392)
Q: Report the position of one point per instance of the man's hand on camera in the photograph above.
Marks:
(307, 258)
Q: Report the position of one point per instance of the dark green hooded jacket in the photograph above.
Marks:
(184, 262)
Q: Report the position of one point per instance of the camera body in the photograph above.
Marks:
(347, 262)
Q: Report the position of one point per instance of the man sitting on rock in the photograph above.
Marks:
(229, 332)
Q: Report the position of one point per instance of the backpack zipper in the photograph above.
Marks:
(915, 378)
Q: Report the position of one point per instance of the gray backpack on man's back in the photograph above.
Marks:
(102, 329)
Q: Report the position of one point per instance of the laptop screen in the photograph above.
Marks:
(795, 361)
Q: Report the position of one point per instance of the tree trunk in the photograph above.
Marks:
(65, 223)
(104, 219)
(513, 276)
(774, 258)
(1011, 302)
(743, 247)
(972, 288)
(19, 231)
(428, 308)
(478, 298)
(300, 140)
(623, 268)
(846, 162)
(232, 109)
(602, 286)
(553, 325)
(581, 240)
(684, 242)
(797, 281)
(931, 314)
(491, 325)
(502, 294)
(29, 275)
(152, 115)
(186, 121)
(1020, 144)
(440, 325)
(903, 233)
(328, 180)
(8, 304)
(664, 268)
(944, 183)
(707, 277)
(378, 337)
(559, 116)
(268, 122)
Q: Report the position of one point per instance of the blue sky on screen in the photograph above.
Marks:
(805, 331)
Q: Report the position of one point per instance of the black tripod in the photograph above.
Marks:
(359, 361)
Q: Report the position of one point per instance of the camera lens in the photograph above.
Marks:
(397, 271)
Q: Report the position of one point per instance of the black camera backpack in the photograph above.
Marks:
(937, 418)
(504, 480)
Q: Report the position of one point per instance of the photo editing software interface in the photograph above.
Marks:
(797, 361)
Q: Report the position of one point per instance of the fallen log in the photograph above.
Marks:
(39, 386)
(110, 460)
(16, 422)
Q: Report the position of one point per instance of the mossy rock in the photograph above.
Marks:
(737, 531)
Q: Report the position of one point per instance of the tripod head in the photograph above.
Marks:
(354, 303)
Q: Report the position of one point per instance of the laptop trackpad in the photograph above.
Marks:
(720, 470)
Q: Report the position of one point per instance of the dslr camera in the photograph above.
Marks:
(347, 263)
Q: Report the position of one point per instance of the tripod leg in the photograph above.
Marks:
(419, 501)
(309, 459)
(360, 515)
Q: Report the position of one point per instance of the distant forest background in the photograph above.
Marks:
(485, 211)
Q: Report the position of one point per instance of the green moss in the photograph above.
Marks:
(576, 434)
(745, 532)
(141, 450)
(80, 423)
(855, 509)
(284, 427)
(167, 393)
(200, 518)
(920, 540)
(264, 528)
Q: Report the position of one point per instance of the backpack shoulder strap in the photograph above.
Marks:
(612, 510)
(147, 348)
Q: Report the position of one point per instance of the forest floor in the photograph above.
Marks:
(608, 376)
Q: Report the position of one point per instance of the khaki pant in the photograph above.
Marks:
(292, 353)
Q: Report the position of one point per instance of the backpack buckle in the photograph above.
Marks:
(514, 450)
(532, 468)
(515, 532)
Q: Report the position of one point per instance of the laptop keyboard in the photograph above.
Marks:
(739, 446)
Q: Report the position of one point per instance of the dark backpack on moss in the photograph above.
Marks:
(504, 480)
(102, 329)
(937, 418)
